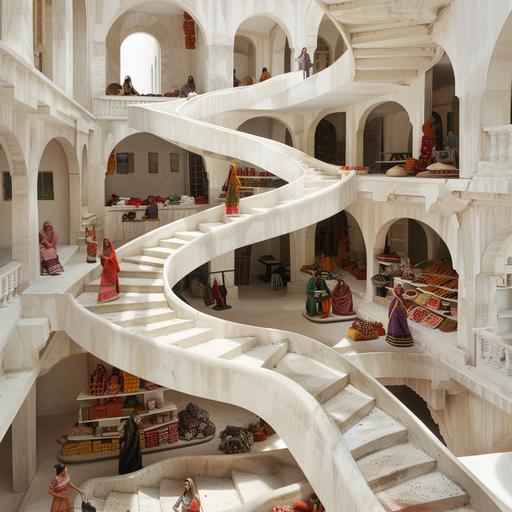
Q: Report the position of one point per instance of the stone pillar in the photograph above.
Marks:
(17, 30)
(219, 67)
(302, 252)
(226, 262)
(24, 460)
(63, 45)
(98, 67)
(429, 74)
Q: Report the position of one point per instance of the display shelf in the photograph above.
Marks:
(166, 408)
(435, 311)
(85, 396)
(423, 285)
(113, 455)
(439, 296)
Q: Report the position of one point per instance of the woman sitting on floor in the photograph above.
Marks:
(50, 264)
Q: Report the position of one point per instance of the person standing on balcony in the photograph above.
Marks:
(50, 264)
(304, 62)
(232, 188)
(109, 283)
(265, 75)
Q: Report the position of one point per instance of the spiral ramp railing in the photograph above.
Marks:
(359, 448)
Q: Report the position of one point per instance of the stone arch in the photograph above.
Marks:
(285, 124)
(271, 16)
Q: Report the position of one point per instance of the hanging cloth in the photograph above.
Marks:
(217, 295)
(208, 295)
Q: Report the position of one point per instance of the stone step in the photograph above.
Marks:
(348, 407)
(252, 485)
(217, 494)
(188, 235)
(393, 465)
(395, 76)
(417, 35)
(263, 356)
(402, 63)
(374, 432)
(187, 337)
(318, 379)
(125, 302)
(158, 252)
(205, 227)
(145, 260)
(224, 347)
(259, 209)
(170, 490)
(411, 51)
(140, 271)
(149, 499)
(431, 492)
(131, 284)
(234, 218)
(139, 316)
(320, 183)
(173, 243)
(164, 327)
(117, 501)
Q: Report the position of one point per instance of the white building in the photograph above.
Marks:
(381, 68)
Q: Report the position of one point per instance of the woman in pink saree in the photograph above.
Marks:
(50, 264)
(109, 284)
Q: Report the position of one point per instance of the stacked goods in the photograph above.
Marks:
(236, 440)
(410, 165)
(388, 257)
(81, 430)
(131, 383)
(194, 423)
(358, 168)
(173, 433)
(151, 439)
(70, 449)
(114, 387)
(142, 439)
(261, 430)
(98, 381)
(363, 330)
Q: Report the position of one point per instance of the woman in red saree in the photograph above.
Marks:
(232, 188)
(109, 284)
(58, 489)
(50, 264)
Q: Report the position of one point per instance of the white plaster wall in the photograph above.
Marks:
(5, 206)
(141, 183)
(56, 211)
(57, 390)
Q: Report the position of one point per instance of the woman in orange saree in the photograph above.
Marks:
(50, 264)
(109, 284)
(232, 188)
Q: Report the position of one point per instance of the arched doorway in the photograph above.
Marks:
(330, 139)
(387, 139)
(141, 59)
(330, 46)
(180, 54)
(53, 187)
(5, 210)
(259, 42)
(268, 127)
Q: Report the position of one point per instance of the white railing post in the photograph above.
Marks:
(500, 143)
(494, 146)
(9, 282)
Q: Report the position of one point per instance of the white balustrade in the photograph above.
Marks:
(500, 142)
(116, 107)
(9, 282)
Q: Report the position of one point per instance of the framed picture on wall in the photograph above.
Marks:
(153, 163)
(125, 163)
(175, 162)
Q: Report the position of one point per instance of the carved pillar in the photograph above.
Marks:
(63, 44)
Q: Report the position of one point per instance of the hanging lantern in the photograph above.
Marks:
(189, 29)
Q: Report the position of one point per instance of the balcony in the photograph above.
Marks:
(9, 282)
(116, 107)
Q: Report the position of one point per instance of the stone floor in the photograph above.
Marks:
(49, 428)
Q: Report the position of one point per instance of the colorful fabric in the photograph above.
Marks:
(314, 299)
(109, 284)
(49, 259)
(92, 244)
(64, 503)
(342, 303)
(232, 187)
(398, 334)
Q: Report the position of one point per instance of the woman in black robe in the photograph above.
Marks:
(130, 455)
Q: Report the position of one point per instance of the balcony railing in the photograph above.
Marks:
(494, 356)
(116, 107)
(500, 143)
(9, 282)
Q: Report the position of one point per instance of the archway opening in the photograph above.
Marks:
(387, 139)
(141, 59)
(330, 139)
(339, 245)
(53, 190)
(268, 127)
(260, 42)
(143, 165)
(5, 210)
(411, 253)
(330, 45)
(172, 49)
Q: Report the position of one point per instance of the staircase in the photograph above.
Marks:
(390, 39)
(356, 444)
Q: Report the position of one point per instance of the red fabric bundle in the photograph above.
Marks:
(300, 506)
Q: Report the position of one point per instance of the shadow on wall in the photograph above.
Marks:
(417, 406)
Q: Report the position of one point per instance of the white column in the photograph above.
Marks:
(17, 29)
(226, 262)
(23, 429)
(302, 252)
(63, 44)
(219, 67)
(98, 67)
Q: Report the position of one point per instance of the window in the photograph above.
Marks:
(45, 186)
(153, 163)
(125, 163)
(7, 186)
(175, 162)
